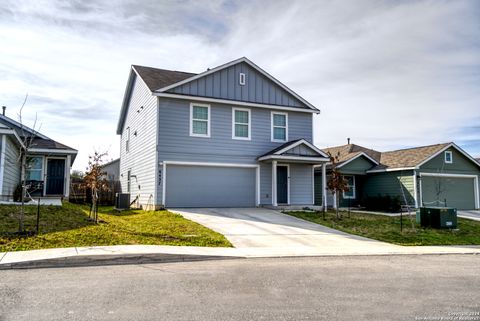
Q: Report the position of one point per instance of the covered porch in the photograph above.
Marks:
(48, 175)
(292, 178)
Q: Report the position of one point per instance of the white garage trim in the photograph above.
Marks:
(475, 183)
(256, 166)
(415, 194)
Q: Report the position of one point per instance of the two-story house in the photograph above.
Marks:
(232, 136)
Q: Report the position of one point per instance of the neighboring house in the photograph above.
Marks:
(232, 136)
(49, 162)
(112, 170)
(426, 175)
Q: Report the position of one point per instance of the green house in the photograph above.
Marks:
(435, 175)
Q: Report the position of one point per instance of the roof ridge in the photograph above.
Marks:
(163, 69)
(418, 147)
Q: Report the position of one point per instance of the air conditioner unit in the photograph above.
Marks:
(122, 201)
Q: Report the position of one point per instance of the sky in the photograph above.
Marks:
(387, 74)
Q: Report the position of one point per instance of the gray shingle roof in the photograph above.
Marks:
(156, 78)
(347, 152)
(39, 140)
(409, 157)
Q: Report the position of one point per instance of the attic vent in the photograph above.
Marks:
(241, 79)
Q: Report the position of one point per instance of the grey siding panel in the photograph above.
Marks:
(258, 88)
(460, 164)
(176, 144)
(391, 183)
(358, 166)
(318, 188)
(301, 184)
(11, 173)
(141, 157)
(301, 150)
(202, 186)
(265, 184)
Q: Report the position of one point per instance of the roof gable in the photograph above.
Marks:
(39, 141)
(299, 147)
(408, 158)
(357, 165)
(350, 151)
(156, 78)
(223, 82)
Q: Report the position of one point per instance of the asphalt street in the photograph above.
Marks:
(420, 287)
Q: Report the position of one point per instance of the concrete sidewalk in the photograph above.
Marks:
(255, 233)
(140, 254)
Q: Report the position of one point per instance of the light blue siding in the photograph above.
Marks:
(301, 183)
(176, 144)
(141, 118)
(266, 184)
(11, 170)
(224, 84)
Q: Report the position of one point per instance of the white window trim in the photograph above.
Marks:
(249, 123)
(272, 127)
(127, 140)
(42, 170)
(354, 189)
(447, 152)
(191, 120)
(242, 79)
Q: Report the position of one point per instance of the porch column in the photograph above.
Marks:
(67, 178)
(274, 183)
(324, 186)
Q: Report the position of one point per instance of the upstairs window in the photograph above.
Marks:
(279, 127)
(448, 157)
(127, 140)
(199, 120)
(241, 123)
(34, 169)
(351, 187)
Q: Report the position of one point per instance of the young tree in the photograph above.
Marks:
(95, 179)
(27, 136)
(336, 183)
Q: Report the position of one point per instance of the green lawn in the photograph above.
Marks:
(69, 226)
(387, 229)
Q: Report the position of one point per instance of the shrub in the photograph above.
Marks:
(382, 203)
(17, 193)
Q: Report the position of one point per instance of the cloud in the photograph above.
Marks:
(387, 74)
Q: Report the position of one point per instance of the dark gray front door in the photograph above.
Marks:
(55, 176)
(282, 184)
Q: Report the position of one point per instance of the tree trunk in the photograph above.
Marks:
(22, 197)
(337, 197)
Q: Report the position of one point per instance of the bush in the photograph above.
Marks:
(382, 203)
(17, 193)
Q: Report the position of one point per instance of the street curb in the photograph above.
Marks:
(111, 259)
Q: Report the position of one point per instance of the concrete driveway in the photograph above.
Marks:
(263, 230)
(473, 215)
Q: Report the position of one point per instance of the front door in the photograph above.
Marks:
(282, 185)
(55, 176)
